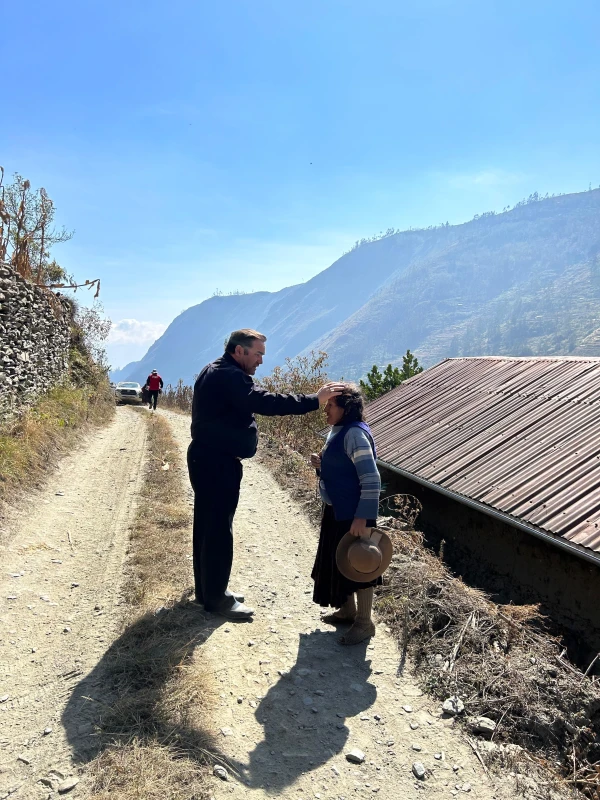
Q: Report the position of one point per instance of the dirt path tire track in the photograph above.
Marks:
(293, 701)
(62, 558)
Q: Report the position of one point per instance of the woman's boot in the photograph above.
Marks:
(347, 613)
(363, 627)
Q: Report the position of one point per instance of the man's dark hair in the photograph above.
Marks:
(351, 400)
(244, 338)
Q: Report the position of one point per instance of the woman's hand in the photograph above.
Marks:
(315, 460)
(358, 527)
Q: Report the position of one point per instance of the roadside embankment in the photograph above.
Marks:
(32, 442)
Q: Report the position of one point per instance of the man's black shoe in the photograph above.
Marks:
(237, 597)
(237, 612)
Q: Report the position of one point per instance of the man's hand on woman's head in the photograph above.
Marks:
(328, 391)
(358, 527)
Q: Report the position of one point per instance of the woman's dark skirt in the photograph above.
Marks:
(331, 588)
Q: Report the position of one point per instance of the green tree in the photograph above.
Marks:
(378, 383)
(410, 366)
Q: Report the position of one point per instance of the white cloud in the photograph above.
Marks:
(134, 331)
(486, 178)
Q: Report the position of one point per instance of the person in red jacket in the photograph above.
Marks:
(155, 384)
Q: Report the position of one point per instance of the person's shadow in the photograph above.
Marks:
(303, 714)
(124, 698)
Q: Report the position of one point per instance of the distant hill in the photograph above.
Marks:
(524, 282)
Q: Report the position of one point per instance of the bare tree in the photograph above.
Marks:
(27, 231)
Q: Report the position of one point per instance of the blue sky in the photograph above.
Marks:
(247, 144)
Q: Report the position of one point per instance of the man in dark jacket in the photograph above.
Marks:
(223, 433)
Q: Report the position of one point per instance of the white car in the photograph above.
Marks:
(128, 392)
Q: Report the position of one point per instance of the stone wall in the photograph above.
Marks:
(35, 338)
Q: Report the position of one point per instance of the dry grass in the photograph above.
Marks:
(153, 742)
(31, 443)
(504, 662)
(178, 398)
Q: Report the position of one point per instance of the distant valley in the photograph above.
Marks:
(523, 282)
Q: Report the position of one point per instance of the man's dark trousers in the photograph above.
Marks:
(153, 397)
(216, 480)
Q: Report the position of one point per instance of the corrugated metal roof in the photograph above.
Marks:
(519, 435)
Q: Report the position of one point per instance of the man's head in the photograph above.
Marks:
(247, 347)
(154, 372)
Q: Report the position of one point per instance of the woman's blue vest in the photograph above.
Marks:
(339, 475)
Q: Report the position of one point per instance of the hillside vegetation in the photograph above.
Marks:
(523, 282)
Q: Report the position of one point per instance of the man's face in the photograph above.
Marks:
(250, 358)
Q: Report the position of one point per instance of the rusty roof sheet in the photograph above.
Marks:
(520, 435)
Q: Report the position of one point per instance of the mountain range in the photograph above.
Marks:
(522, 282)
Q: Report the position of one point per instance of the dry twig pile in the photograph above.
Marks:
(501, 661)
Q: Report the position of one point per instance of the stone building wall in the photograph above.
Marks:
(35, 338)
(510, 564)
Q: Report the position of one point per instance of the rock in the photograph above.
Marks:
(251, 644)
(419, 771)
(240, 700)
(226, 731)
(24, 760)
(4, 698)
(220, 772)
(466, 787)
(47, 731)
(308, 701)
(453, 706)
(355, 756)
(68, 785)
(414, 726)
(408, 709)
(484, 726)
(439, 756)
(417, 748)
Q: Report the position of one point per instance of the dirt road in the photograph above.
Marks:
(62, 561)
(292, 702)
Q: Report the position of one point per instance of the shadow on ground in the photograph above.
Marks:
(127, 697)
(303, 714)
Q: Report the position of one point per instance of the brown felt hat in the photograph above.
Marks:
(364, 558)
